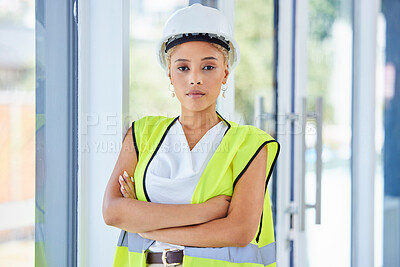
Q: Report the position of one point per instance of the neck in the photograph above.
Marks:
(199, 120)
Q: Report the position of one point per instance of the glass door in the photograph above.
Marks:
(327, 227)
(255, 76)
(314, 103)
(321, 150)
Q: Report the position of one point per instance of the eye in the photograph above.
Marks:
(183, 68)
(209, 67)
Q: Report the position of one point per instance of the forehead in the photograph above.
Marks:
(196, 49)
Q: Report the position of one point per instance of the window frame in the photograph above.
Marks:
(56, 194)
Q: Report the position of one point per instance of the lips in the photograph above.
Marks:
(195, 93)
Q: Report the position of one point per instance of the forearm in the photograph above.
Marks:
(138, 216)
(225, 232)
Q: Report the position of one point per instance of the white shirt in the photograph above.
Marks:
(174, 172)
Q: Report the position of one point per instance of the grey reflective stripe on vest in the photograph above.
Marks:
(249, 254)
(123, 239)
(134, 242)
(268, 253)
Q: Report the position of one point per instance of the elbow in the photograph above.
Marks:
(114, 215)
(243, 240)
(243, 243)
(109, 220)
(243, 236)
(109, 216)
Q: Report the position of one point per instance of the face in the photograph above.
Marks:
(197, 71)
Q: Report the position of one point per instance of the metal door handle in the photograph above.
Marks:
(318, 175)
(318, 107)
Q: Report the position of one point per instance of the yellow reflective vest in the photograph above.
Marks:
(239, 146)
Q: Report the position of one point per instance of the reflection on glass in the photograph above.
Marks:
(388, 158)
(17, 137)
(149, 84)
(254, 74)
(329, 76)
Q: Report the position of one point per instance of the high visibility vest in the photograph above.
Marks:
(239, 146)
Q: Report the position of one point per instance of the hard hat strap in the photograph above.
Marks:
(206, 37)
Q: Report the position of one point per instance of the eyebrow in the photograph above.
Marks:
(205, 58)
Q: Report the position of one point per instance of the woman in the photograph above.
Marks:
(191, 190)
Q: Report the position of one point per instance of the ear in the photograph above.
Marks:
(169, 76)
(226, 74)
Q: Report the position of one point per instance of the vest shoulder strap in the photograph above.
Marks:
(146, 127)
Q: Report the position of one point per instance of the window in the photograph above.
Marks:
(17, 139)
(149, 85)
(56, 134)
(387, 137)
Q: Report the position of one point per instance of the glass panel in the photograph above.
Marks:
(388, 145)
(254, 74)
(149, 84)
(330, 76)
(56, 131)
(17, 139)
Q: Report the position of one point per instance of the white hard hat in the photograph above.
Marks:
(198, 22)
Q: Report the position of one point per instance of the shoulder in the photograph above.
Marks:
(249, 141)
(249, 132)
(149, 127)
(148, 122)
(151, 119)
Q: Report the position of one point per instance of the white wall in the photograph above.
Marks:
(103, 98)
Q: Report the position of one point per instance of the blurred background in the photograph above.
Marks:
(17, 133)
(290, 51)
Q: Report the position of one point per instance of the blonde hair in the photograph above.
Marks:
(224, 52)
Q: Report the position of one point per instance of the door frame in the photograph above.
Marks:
(97, 35)
(284, 79)
(365, 21)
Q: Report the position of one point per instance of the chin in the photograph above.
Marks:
(198, 108)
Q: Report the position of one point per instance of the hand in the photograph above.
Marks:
(217, 207)
(127, 186)
(144, 235)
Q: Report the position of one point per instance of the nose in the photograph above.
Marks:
(196, 79)
(198, 82)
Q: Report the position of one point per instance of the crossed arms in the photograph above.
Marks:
(219, 222)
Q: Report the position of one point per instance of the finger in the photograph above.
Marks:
(133, 183)
(129, 183)
(133, 187)
(124, 185)
(123, 192)
(128, 186)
